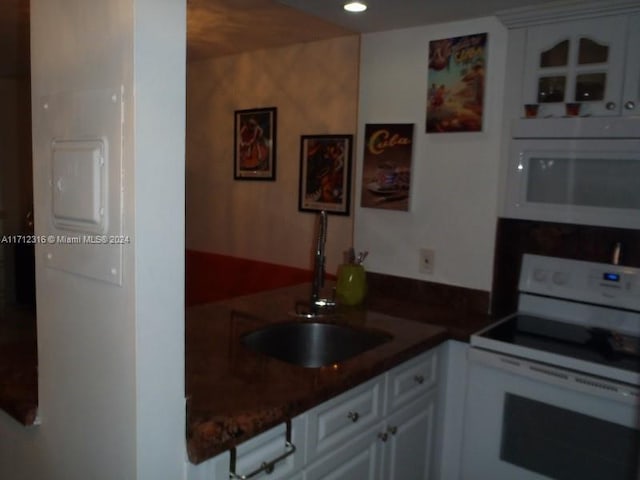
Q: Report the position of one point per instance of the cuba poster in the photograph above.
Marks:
(386, 172)
(456, 78)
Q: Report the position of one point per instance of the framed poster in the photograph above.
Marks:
(455, 92)
(325, 173)
(255, 144)
(386, 169)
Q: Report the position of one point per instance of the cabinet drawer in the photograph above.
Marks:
(333, 423)
(251, 454)
(270, 445)
(411, 379)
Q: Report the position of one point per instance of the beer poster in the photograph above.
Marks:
(456, 78)
(386, 172)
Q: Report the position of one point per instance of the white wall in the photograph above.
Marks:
(111, 358)
(453, 204)
(160, 84)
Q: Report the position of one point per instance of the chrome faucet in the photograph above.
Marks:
(317, 304)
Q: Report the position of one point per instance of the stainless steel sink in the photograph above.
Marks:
(313, 344)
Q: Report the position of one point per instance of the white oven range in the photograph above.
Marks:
(554, 389)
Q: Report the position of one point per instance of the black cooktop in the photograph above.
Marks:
(585, 343)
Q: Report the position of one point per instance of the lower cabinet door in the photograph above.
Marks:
(408, 447)
(358, 459)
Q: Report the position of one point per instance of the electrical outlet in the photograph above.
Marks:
(427, 258)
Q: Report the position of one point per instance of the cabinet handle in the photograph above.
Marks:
(353, 416)
(610, 106)
(267, 466)
(392, 430)
(419, 379)
(630, 105)
(383, 436)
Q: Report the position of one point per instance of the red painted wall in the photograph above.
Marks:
(210, 277)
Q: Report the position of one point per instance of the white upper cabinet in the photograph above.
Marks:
(631, 91)
(592, 62)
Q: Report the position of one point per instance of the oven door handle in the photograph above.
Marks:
(570, 379)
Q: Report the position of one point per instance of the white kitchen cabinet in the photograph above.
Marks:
(631, 91)
(411, 379)
(382, 429)
(262, 448)
(398, 448)
(402, 433)
(359, 458)
(335, 422)
(408, 440)
(593, 62)
(254, 454)
(449, 425)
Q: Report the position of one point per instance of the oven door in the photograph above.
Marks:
(526, 420)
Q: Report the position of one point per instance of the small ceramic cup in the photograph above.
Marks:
(572, 109)
(531, 110)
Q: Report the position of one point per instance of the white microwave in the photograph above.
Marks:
(590, 181)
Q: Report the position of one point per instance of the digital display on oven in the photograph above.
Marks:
(611, 277)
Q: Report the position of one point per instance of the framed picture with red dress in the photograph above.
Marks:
(325, 173)
(255, 144)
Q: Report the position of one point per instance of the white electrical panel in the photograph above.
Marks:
(79, 185)
(81, 142)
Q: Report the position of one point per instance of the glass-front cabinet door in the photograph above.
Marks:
(576, 68)
(631, 92)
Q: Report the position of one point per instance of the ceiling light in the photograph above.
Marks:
(355, 6)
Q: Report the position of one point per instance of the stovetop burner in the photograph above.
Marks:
(586, 343)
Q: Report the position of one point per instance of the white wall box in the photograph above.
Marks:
(84, 234)
(382, 429)
(79, 186)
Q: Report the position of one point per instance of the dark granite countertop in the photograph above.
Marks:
(234, 394)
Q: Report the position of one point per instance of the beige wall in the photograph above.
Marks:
(315, 88)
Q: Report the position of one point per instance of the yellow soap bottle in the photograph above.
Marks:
(351, 286)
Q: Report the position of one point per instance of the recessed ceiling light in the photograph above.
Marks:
(355, 6)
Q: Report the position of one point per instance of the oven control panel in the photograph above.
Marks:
(598, 283)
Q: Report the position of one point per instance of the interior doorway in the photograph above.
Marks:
(17, 269)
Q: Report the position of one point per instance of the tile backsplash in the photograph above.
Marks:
(580, 242)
